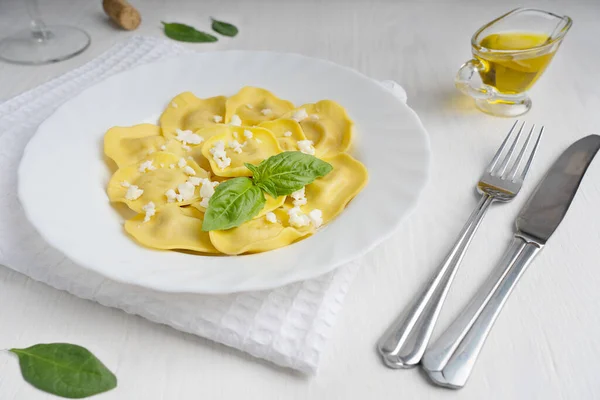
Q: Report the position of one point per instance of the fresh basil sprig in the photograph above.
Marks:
(240, 199)
(234, 202)
(224, 28)
(186, 33)
(287, 172)
(65, 370)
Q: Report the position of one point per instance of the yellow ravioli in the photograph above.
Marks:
(259, 235)
(287, 132)
(188, 112)
(126, 145)
(154, 182)
(172, 227)
(259, 147)
(255, 105)
(195, 150)
(328, 126)
(331, 193)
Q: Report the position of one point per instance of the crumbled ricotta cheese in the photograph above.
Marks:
(174, 105)
(266, 111)
(217, 118)
(235, 120)
(186, 147)
(162, 165)
(181, 163)
(287, 134)
(298, 218)
(133, 192)
(271, 217)
(204, 202)
(194, 180)
(125, 184)
(236, 146)
(186, 137)
(146, 166)
(235, 135)
(220, 155)
(171, 166)
(171, 195)
(299, 115)
(163, 147)
(249, 106)
(186, 190)
(299, 197)
(150, 210)
(316, 217)
(208, 188)
(189, 170)
(306, 146)
(248, 134)
(151, 151)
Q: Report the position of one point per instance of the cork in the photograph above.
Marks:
(122, 13)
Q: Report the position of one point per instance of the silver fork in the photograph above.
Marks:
(404, 343)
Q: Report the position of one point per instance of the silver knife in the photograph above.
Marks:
(450, 360)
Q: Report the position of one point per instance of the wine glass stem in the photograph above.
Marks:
(38, 27)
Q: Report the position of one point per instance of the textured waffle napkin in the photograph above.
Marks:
(288, 326)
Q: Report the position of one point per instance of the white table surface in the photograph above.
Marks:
(546, 343)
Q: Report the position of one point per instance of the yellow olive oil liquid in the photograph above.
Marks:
(517, 71)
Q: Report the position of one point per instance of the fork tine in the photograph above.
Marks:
(510, 152)
(529, 161)
(492, 163)
(513, 171)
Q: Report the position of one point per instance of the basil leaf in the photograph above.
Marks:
(234, 202)
(65, 370)
(268, 188)
(186, 33)
(254, 170)
(224, 28)
(289, 171)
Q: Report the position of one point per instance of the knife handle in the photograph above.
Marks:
(450, 360)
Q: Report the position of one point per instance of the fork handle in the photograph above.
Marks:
(404, 342)
(450, 360)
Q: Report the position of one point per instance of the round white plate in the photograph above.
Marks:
(63, 176)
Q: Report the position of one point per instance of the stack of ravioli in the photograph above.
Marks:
(168, 173)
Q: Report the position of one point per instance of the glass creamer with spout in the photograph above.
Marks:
(509, 56)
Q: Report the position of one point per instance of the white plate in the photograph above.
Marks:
(63, 177)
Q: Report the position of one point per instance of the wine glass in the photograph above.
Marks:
(43, 44)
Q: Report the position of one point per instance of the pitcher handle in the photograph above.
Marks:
(464, 81)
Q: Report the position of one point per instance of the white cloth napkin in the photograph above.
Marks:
(288, 326)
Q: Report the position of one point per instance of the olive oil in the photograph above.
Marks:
(513, 61)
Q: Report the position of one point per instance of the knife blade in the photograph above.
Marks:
(550, 201)
(449, 361)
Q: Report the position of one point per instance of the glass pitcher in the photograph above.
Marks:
(509, 55)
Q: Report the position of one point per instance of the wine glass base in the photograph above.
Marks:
(499, 108)
(61, 42)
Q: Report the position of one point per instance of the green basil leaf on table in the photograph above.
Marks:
(65, 370)
(234, 202)
(224, 28)
(284, 173)
(186, 33)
